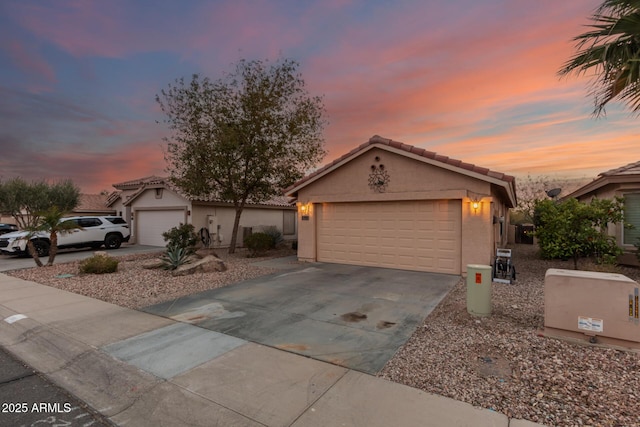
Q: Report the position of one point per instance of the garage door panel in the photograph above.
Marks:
(416, 235)
(151, 224)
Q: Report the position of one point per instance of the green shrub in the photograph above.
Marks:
(572, 229)
(175, 257)
(99, 264)
(182, 236)
(258, 243)
(275, 234)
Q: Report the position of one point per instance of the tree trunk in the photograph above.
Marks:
(234, 233)
(34, 253)
(53, 250)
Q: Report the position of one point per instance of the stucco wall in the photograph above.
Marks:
(251, 217)
(168, 198)
(410, 179)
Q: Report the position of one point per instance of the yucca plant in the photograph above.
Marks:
(175, 257)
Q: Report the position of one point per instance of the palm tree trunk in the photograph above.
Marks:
(53, 250)
(34, 253)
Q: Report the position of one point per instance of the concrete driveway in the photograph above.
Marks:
(352, 316)
(13, 262)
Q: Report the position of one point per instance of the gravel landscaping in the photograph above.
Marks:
(135, 287)
(500, 362)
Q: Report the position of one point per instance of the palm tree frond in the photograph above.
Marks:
(612, 49)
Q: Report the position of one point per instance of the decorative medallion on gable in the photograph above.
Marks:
(379, 177)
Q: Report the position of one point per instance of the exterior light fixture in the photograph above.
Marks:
(304, 211)
(475, 204)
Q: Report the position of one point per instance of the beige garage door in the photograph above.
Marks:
(151, 224)
(411, 235)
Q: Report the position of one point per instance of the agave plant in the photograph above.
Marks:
(175, 257)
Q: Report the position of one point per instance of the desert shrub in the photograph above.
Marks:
(182, 236)
(174, 257)
(99, 264)
(275, 234)
(258, 243)
(572, 229)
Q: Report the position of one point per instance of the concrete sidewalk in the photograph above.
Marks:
(139, 369)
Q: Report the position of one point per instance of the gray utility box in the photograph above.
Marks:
(479, 289)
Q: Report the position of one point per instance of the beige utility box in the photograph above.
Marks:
(600, 307)
(479, 290)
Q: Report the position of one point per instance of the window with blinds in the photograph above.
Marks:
(631, 216)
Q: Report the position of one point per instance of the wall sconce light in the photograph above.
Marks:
(475, 205)
(304, 211)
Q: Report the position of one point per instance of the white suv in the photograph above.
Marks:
(93, 231)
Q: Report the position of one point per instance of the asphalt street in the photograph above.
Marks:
(28, 399)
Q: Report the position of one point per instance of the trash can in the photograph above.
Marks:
(479, 289)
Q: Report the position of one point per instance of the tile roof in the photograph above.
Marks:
(136, 183)
(141, 183)
(92, 203)
(625, 174)
(630, 169)
(378, 140)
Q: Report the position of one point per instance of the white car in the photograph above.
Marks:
(92, 231)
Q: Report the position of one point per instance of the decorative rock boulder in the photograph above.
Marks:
(208, 264)
(203, 252)
(153, 264)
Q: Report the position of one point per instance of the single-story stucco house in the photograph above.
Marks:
(622, 182)
(153, 205)
(390, 204)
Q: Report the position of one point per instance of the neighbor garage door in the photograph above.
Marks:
(151, 224)
(411, 235)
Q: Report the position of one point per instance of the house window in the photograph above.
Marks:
(289, 222)
(631, 216)
(158, 193)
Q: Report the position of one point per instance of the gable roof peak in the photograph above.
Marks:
(631, 168)
(377, 140)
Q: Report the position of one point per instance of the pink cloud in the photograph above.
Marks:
(30, 61)
(430, 90)
(407, 72)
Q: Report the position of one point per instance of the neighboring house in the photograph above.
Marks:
(152, 205)
(88, 205)
(623, 182)
(389, 204)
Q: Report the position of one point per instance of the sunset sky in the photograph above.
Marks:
(472, 80)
